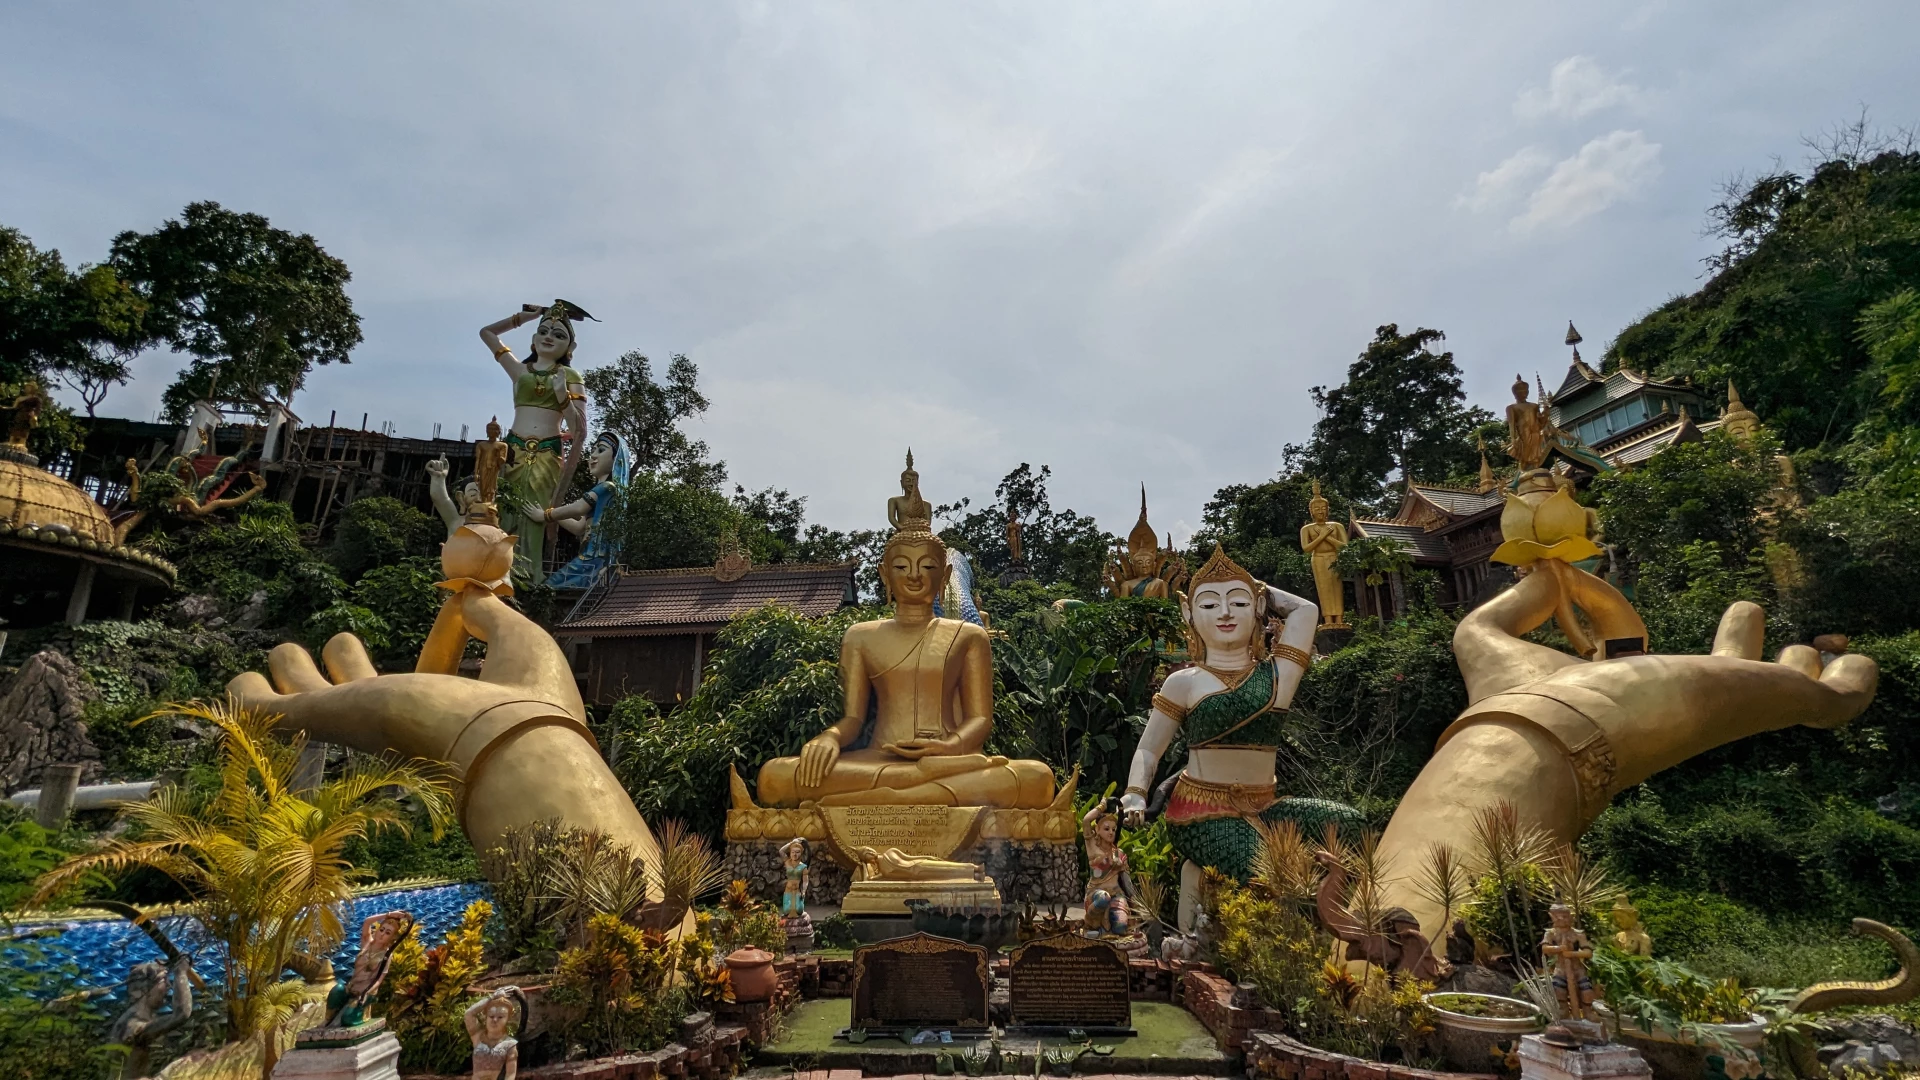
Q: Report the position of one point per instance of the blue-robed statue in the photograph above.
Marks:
(599, 550)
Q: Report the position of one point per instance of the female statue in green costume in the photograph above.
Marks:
(547, 397)
(1231, 705)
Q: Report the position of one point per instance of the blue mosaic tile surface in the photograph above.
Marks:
(104, 950)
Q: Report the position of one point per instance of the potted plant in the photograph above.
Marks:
(1676, 1016)
(1473, 1028)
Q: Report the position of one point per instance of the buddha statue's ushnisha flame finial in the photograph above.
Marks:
(1142, 538)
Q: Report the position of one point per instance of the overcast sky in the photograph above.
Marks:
(1118, 239)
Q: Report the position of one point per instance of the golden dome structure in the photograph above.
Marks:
(45, 516)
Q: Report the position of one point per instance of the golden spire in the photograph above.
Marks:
(1486, 471)
(1142, 537)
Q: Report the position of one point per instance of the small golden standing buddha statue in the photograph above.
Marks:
(1322, 540)
(931, 683)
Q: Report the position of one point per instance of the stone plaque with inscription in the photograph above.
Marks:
(920, 981)
(1069, 981)
(936, 831)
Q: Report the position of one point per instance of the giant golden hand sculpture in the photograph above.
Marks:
(1558, 736)
(516, 737)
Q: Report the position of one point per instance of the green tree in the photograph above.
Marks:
(1259, 525)
(264, 865)
(663, 523)
(1805, 258)
(1401, 409)
(648, 414)
(378, 530)
(1058, 545)
(79, 326)
(255, 306)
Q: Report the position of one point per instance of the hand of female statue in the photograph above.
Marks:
(817, 758)
(915, 749)
(1133, 810)
(420, 714)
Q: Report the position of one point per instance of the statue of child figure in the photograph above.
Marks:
(496, 1054)
(347, 1002)
(793, 901)
(1567, 948)
(1107, 872)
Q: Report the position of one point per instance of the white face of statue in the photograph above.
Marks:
(600, 463)
(471, 493)
(916, 573)
(497, 1017)
(1222, 613)
(552, 340)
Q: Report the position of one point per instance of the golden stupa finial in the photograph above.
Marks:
(1573, 336)
(1486, 471)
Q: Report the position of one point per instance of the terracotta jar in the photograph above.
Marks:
(751, 972)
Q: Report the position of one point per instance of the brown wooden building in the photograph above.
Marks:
(651, 632)
(1449, 530)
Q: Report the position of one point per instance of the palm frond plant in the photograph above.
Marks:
(1283, 863)
(265, 867)
(1508, 858)
(1579, 883)
(1442, 882)
(689, 868)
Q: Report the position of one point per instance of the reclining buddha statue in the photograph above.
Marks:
(928, 684)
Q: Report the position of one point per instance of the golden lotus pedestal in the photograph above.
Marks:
(890, 897)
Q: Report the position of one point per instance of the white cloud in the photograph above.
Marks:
(1577, 87)
(1502, 184)
(1612, 167)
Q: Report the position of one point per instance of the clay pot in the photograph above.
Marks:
(751, 972)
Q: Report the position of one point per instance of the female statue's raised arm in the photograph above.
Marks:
(1146, 762)
(490, 335)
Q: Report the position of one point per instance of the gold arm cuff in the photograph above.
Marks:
(502, 350)
(576, 397)
(1135, 790)
(1165, 704)
(1284, 651)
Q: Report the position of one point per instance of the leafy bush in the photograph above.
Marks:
(405, 597)
(26, 852)
(40, 1039)
(378, 531)
(426, 992)
(773, 683)
(1662, 995)
(741, 921)
(623, 981)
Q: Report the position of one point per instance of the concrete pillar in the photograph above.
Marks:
(82, 594)
(311, 770)
(57, 784)
(129, 595)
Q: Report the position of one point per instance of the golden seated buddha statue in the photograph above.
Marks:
(931, 684)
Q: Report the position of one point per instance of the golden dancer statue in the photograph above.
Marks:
(516, 737)
(931, 682)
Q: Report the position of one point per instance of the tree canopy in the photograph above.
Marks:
(255, 306)
(1058, 546)
(648, 412)
(79, 326)
(1402, 409)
